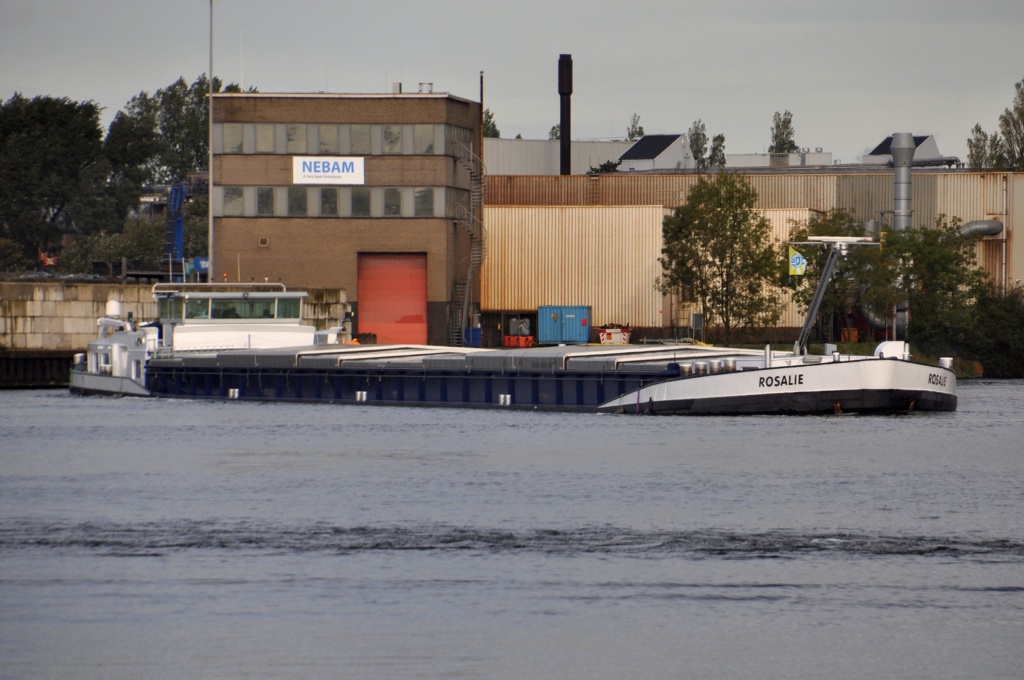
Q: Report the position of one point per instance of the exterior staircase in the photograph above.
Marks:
(467, 214)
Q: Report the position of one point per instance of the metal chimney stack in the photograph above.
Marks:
(565, 124)
(902, 149)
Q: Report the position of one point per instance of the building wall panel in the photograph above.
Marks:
(333, 108)
(302, 252)
(655, 189)
(276, 170)
(536, 190)
(866, 197)
(602, 257)
(817, 192)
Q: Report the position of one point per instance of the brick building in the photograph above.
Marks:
(380, 195)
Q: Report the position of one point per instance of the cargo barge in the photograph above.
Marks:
(250, 345)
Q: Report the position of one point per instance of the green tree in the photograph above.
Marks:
(782, 134)
(719, 248)
(175, 120)
(606, 167)
(980, 147)
(1002, 150)
(635, 131)
(698, 139)
(131, 147)
(490, 128)
(140, 242)
(555, 132)
(998, 342)
(12, 257)
(849, 278)
(1011, 126)
(716, 158)
(54, 176)
(197, 227)
(936, 271)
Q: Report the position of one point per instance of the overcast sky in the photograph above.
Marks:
(851, 72)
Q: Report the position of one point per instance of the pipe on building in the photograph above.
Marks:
(902, 149)
(982, 228)
(565, 123)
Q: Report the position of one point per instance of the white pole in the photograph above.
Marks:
(209, 175)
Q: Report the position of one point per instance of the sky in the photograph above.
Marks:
(850, 72)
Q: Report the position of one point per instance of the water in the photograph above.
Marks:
(170, 539)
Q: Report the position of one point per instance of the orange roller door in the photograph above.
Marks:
(393, 298)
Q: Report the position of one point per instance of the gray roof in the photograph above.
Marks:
(649, 147)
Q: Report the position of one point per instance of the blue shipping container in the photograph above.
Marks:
(557, 325)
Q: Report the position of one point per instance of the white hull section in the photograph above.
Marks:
(92, 383)
(868, 385)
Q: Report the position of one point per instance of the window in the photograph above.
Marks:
(360, 202)
(329, 139)
(264, 138)
(197, 309)
(297, 201)
(233, 204)
(232, 138)
(392, 202)
(171, 308)
(225, 309)
(329, 202)
(392, 138)
(361, 139)
(424, 199)
(265, 200)
(423, 139)
(288, 308)
(295, 136)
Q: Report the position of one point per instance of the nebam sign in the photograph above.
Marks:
(327, 170)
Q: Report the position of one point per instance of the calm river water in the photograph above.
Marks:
(174, 539)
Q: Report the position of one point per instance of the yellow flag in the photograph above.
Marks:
(797, 263)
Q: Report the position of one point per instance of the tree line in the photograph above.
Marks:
(70, 193)
(1002, 150)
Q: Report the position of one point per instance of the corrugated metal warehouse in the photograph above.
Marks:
(867, 195)
(604, 257)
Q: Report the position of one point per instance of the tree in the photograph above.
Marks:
(53, 173)
(131, 147)
(490, 128)
(177, 116)
(635, 131)
(999, 343)
(606, 167)
(936, 271)
(698, 139)
(1011, 125)
(782, 134)
(197, 227)
(719, 248)
(555, 132)
(1003, 150)
(716, 159)
(977, 148)
(848, 282)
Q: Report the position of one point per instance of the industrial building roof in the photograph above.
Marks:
(649, 147)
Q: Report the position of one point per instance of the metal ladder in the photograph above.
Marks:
(467, 217)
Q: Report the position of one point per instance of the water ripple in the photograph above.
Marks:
(157, 538)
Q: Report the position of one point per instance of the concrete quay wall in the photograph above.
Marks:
(62, 316)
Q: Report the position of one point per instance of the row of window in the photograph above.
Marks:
(340, 139)
(310, 201)
(230, 308)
